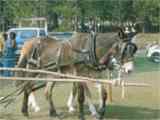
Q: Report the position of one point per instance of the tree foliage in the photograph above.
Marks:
(120, 11)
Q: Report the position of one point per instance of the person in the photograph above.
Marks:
(13, 40)
(1, 44)
(9, 57)
(10, 44)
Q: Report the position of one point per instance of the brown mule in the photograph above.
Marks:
(51, 54)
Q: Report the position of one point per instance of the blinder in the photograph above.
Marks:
(128, 52)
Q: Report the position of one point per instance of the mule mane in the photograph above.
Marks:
(79, 40)
(109, 38)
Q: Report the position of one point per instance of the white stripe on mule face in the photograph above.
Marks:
(128, 67)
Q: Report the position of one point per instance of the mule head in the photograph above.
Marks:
(120, 55)
(128, 47)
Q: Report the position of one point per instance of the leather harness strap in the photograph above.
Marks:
(34, 58)
(35, 55)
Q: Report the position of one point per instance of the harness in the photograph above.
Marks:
(87, 56)
(34, 58)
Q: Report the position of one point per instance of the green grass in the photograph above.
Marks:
(143, 64)
(140, 103)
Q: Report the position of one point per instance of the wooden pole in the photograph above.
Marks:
(55, 74)
(123, 90)
(63, 77)
(103, 81)
(53, 79)
(109, 100)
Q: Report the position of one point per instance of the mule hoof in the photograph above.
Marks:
(81, 117)
(58, 116)
(101, 113)
(37, 109)
(96, 117)
(71, 110)
(52, 114)
(25, 114)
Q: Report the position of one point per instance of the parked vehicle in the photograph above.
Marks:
(25, 33)
(153, 53)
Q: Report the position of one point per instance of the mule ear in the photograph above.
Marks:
(121, 33)
(12, 35)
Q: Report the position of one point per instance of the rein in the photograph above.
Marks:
(90, 52)
(92, 49)
(91, 59)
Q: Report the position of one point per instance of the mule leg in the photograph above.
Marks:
(81, 99)
(72, 97)
(92, 108)
(110, 99)
(71, 100)
(52, 110)
(25, 103)
(32, 102)
(103, 94)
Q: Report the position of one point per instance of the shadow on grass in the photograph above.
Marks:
(121, 113)
(126, 112)
(112, 112)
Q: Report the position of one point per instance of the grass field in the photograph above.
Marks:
(140, 103)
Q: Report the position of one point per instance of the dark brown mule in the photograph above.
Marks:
(122, 52)
(47, 53)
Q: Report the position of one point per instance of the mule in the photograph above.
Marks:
(124, 58)
(52, 54)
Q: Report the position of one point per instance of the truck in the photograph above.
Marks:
(25, 33)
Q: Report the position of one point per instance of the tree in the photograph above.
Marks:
(112, 11)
